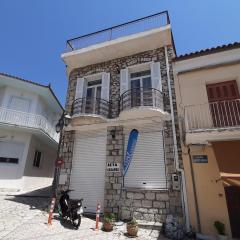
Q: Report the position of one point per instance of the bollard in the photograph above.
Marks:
(97, 217)
(51, 211)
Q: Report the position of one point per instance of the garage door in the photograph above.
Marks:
(147, 169)
(11, 152)
(88, 169)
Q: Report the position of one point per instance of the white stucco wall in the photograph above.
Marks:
(37, 104)
(2, 91)
(34, 177)
(11, 174)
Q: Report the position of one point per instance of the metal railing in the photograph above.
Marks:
(137, 97)
(213, 115)
(140, 25)
(24, 119)
(96, 106)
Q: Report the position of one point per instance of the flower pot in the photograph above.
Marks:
(108, 226)
(132, 230)
(222, 237)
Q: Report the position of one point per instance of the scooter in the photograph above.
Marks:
(71, 209)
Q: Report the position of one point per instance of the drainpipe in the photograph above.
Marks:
(184, 195)
(194, 191)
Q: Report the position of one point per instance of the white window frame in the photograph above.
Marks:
(95, 91)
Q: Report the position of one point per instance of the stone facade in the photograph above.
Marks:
(152, 205)
(66, 152)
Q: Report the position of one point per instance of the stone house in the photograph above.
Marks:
(121, 79)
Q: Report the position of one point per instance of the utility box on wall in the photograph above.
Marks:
(176, 182)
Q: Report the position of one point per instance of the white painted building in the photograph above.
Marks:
(28, 141)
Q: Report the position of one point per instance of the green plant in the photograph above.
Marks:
(133, 222)
(220, 227)
(109, 217)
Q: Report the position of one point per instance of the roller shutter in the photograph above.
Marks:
(147, 169)
(88, 169)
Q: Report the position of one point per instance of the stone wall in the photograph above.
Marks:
(151, 205)
(66, 151)
(113, 181)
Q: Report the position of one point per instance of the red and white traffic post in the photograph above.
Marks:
(51, 211)
(97, 217)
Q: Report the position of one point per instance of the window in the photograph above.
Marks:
(93, 95)
(8, 160)
(19, 103)
(141, 88)
(37, 159)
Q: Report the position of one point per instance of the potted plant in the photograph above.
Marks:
(108, 222)
(221, 230)
(132, 227)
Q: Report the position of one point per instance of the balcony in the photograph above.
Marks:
(119, 41)
(90, 110)
(142, 103)
(28, 120)
(213, 121)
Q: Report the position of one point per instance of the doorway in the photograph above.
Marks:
(233, 203)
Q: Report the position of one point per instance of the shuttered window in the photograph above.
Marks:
(147, 168)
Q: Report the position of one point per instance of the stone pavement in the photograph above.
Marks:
(25, 218)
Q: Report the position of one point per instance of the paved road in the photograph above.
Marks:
(25, 218)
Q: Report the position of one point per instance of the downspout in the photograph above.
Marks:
(194, 191)
(184, 195)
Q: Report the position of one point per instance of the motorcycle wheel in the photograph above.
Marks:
(77, 221)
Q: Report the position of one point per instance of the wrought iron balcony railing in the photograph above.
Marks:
(137, 97)
(96, 106)
(213, 115)
(140, 25)
(29, 120)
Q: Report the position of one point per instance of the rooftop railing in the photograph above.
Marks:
(140, 25)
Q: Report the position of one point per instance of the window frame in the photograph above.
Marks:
(141, 79)
(40, 160)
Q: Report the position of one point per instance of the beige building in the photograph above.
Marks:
(207, 87)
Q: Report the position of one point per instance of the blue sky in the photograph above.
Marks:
(33, 32)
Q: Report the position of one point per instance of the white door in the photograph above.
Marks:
(147, 168)
(88, 169)
(10, 159)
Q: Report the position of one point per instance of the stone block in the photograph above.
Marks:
(130, 195)
(142, 210)
(162, 196)
(149, 217)
(137, 203)
(153, 210)
(147, 203)
(125, 214)
(138, 215)
(150, 196)
(157, 204)
(117, 186)
(138, 196)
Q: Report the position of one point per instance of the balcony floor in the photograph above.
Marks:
(203, 136)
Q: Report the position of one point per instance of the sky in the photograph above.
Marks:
(33, 33)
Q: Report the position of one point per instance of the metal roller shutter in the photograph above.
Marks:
(88, 169)
(147, 169)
